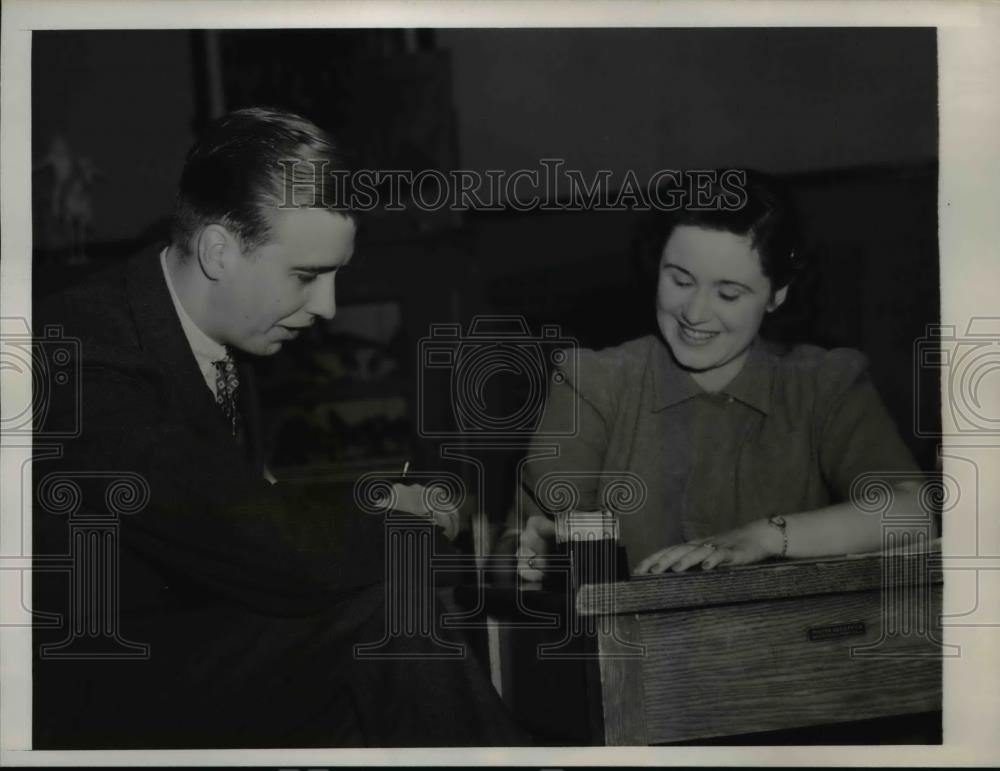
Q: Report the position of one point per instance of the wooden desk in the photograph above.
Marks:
(766, 647)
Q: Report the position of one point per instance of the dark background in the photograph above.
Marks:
(848, 116)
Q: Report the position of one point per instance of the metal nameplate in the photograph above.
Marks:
(837, 631)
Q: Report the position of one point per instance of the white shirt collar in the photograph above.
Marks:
(206, 351)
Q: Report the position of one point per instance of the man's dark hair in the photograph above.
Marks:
(249, 161)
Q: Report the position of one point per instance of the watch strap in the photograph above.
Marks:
(779, 522)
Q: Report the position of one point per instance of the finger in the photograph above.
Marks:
(449, 521)
(697, 553)
(530, 540)
(389, 499)
(644, 565)
(719, 557)
(534, 576)
(408, 498)
(679, 558)
(742, 556)
(537, 534)
(542, 525)
(530, 566)
(445, 514)
(667, 557)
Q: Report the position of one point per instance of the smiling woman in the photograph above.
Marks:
(745, 449)
(711, 299)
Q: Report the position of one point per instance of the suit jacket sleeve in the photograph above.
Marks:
(210, 520)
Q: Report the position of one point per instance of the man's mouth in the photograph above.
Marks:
(695, 336)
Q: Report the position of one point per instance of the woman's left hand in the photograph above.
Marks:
(754, 542)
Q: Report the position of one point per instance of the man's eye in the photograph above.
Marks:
(305, 278)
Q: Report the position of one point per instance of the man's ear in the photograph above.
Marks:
(777, 299)
(215, 247)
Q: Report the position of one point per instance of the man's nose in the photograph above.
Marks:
(323, 301)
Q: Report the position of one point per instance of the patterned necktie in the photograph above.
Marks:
(227, 382)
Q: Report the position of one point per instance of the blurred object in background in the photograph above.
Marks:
(339, 392)
(64, 204)
(386, 94)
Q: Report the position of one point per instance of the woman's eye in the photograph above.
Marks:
(305, 278)
(730, 297)
(679, 281)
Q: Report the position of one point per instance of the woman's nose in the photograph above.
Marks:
(697, 309)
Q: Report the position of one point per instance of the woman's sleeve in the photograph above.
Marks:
(571, 437)
(856, 433)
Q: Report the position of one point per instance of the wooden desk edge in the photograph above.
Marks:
(763, 581)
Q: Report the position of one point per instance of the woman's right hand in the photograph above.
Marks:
(533, 544)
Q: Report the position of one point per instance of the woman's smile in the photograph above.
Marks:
(694, 336)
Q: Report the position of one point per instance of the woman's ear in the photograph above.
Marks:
(214, 246)
(777, 299)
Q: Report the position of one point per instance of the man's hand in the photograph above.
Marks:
(534, 543)
(411, 499)
(754, 542)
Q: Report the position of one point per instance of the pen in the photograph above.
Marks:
(406, 467)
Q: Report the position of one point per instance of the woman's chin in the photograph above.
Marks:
(695, 357)
(696, 363)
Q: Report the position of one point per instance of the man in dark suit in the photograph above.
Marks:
(250, 595)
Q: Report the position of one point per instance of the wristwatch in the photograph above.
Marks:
(779, 522)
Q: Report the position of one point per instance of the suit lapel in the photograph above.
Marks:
(161, 335)
(250, 409)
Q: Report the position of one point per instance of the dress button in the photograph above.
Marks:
(730, 400)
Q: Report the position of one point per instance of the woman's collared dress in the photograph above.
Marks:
(790, 433)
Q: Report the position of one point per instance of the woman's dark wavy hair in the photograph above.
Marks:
(767, 215)
(250, 161)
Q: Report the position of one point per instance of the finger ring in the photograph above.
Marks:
(709, 545)
(531, 562)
